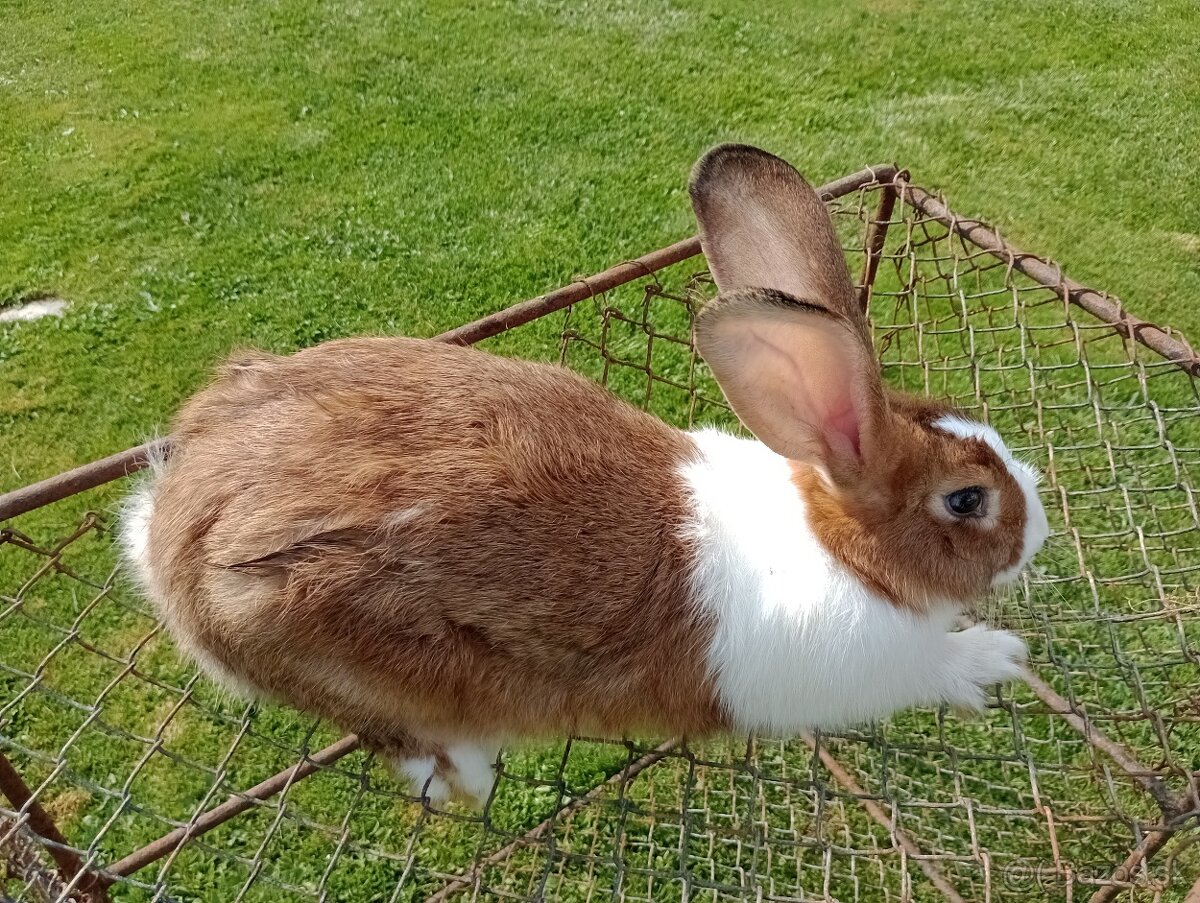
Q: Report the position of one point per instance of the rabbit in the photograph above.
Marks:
(446, 551)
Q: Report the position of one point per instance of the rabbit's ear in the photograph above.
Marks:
(763, 226)
(798, 375)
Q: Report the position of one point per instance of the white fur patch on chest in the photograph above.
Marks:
(800, 642)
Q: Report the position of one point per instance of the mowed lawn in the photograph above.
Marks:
(194, 177)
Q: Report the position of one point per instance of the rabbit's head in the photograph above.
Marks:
(925, 503)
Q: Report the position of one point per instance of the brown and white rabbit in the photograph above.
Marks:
(444, 550)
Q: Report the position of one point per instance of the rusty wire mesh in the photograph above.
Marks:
(1086, 787)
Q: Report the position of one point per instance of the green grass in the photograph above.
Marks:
(193, 179)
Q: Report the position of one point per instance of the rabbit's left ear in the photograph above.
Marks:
(798, 375)
(763, 226)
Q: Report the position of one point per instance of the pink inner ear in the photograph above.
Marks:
(843, 421)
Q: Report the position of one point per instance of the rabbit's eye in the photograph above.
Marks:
(966, 502)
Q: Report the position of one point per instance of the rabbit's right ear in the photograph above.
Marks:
(763, 226)
(798, 376)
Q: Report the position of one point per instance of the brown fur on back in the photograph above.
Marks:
(401, 534)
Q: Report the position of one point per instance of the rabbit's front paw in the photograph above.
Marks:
(979, 658)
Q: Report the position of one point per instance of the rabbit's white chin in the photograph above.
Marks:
(800, 642)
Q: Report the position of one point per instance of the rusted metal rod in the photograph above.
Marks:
(580, 290)
(1126, 872)
(22, 858)
(906, 843)
(97, 473)
(522, 313)
(876, 236)
(1146, 778)
(235, 805)
(73, 482)
(1099, 305)
(70, 866)
(628, 773)
(1193, 894)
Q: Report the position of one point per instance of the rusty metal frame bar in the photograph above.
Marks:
(894, 186)
(877, 230)
(79, 479)
(70, 867)
(235, 805)
(1146, 778)
(21, 859)
(1174, 806)
(899, 836)
(1165, 342)
(1194, 894)
(1124, 874)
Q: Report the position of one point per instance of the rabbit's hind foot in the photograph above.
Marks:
(437, 772)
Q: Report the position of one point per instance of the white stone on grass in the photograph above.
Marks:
(33, 310)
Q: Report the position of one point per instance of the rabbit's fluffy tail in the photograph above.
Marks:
(134, 537)
(134, 528)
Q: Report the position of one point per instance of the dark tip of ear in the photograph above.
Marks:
(731, 161)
